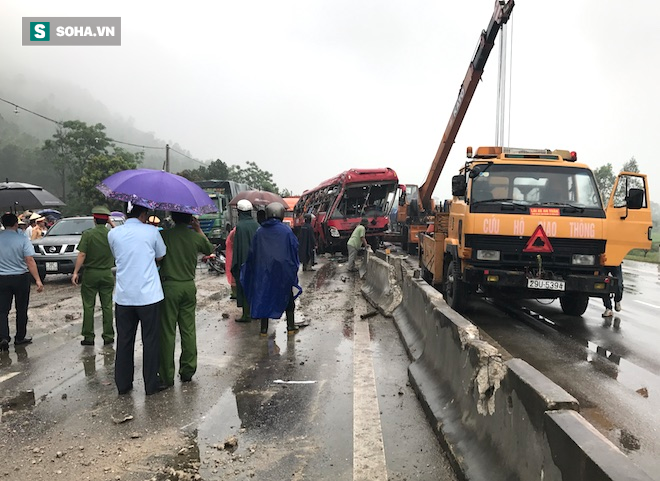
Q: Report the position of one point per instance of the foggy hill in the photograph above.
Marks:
(61, 100)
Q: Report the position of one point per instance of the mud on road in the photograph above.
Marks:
(245, 415)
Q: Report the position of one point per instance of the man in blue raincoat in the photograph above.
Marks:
(270, 273)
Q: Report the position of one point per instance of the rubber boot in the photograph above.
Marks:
(264, 327)
(291, 328)
(232, 295)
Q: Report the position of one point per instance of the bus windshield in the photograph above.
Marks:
(365, 200)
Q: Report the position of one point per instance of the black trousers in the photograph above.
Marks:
(127, 319)
(14, 288)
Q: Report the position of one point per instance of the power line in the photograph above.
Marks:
(16, 106)
(194, 160)
(136, 145)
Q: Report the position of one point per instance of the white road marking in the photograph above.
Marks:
(647, 304)
(368, 449)
(280, 381)
(8, 376)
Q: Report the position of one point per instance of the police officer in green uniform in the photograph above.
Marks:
(177, 272)
(95, 255)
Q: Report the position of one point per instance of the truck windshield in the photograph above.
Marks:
(536, 185)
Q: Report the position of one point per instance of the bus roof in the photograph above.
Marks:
(359, 176)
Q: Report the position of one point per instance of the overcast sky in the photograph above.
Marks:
(309, 88)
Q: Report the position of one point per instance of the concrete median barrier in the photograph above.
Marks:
(498, 420)
(380, 285)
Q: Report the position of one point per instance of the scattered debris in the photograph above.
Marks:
(231, 443)
(72, 317)
(120, 420)
(642, 391)
(135, 435)
(368, 315)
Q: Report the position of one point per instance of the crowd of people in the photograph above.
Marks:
(154, 284)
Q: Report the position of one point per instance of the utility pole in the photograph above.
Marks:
(167, 157)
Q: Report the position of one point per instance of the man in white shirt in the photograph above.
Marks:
(136, 246)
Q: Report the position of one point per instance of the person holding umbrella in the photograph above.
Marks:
(136, 247)
(16, 266)
(177, 273)
(246, 227)
(95, 255)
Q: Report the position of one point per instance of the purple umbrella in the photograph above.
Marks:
(157, 189)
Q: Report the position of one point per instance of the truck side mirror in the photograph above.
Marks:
(458, 186)
(635, 199)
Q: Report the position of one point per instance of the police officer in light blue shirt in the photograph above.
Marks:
(16, 266)
(136, 246)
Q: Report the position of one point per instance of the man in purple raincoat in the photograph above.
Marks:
(270, 272)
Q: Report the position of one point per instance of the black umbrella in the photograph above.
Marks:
(17, 196)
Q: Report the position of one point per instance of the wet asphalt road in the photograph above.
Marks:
(611, 365)
(332, 402)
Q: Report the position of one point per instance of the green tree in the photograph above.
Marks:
(74, 144)
(630, 166)
(254, 177)
(96, 169)
(605, 179)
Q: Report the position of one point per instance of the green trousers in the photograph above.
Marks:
(101, 282)
(178, 308)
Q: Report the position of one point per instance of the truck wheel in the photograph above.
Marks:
(454, 289)
(574, 304)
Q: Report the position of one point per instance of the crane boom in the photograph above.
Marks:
(475, 70)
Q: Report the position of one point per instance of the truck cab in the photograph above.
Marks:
(527, 223)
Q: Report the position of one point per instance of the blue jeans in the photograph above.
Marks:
(614, 271)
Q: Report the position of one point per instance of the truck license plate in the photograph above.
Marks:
(51, 266)
(546, 284)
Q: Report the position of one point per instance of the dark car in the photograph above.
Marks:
(57, 251)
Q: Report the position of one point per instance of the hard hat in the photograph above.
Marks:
(364, 221)
(244, 205)
(35, 216)
(275, 210)
(39, 219)
(101, 209)
(154, 219)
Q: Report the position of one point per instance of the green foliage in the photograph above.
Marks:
(630, 166)
(605, 179)
(96, 169)
(218, 170)
(253, 176)
(83, 156)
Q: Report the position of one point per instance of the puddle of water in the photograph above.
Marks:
(220, 422)
(634, 377)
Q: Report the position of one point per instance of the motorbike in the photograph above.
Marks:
(216, 260)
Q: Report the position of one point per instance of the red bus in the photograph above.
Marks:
(339, 203)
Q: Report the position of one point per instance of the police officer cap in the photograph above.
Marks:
(101, 209)
(244, 205)
(275, 210)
